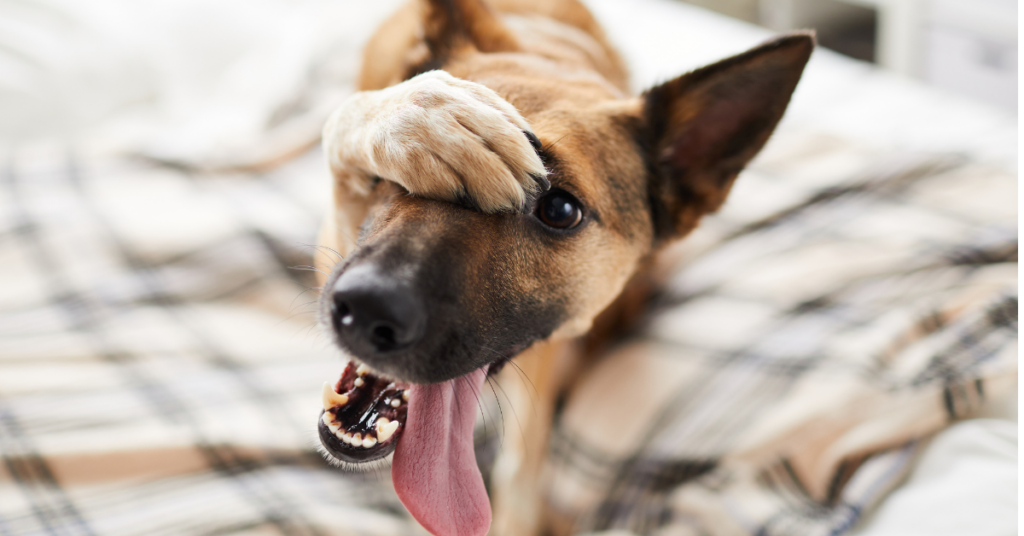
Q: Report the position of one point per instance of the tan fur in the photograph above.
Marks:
(438, 137)
(541, 66)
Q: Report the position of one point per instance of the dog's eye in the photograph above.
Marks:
(560, 210)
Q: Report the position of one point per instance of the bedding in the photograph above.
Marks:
(830, 334)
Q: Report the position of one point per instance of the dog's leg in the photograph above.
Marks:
(531, 386)
(438, 137)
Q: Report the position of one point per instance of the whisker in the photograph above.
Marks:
(298, 313)
(307, 289)
(479, 402)
(525, 377)
(490, 382)
(306, 268)
(552, 144)
(329, 249)
(309, 329)
(512, 407)
(305, 304)
(293, 315)
(527, 382)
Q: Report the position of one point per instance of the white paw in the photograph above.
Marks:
(439, 137)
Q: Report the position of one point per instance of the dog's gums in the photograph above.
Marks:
(363, 415)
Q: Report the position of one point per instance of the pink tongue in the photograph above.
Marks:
(434, 469)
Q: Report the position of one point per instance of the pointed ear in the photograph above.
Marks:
(702, 128)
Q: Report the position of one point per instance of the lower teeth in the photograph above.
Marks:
(365, 398)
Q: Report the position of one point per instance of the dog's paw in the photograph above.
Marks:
(439, 137)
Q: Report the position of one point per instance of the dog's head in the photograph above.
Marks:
(437, 289)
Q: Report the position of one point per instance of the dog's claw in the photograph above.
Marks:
(543, 185)
(534, 141)
(543, 182)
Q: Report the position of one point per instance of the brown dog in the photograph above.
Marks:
(508, 207)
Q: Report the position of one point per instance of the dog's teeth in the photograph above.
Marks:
(405, 395)
(395, 403)
(331, 424)
(349, 439)
(332, 399)
(359, 382)
(362, 370)
(369, 442)
(340, 434)
(385, 429)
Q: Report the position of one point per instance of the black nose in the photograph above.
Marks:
(375, 313)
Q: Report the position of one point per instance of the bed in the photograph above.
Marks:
(835, 351)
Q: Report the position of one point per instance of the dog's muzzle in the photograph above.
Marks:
(374, 314)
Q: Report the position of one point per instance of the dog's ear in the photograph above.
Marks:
(702, 128)
(453, 25)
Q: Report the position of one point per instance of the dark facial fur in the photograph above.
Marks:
(480, 285)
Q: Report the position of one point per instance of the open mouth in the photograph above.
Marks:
(363, 416)
(364, 413)
(428, 427)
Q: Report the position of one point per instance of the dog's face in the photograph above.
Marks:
(437, 289)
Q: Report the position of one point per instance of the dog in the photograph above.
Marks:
(499, 195)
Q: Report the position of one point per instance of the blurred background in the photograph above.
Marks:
(183, 78)
(966, 46)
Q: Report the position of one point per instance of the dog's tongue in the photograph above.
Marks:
(434, 469)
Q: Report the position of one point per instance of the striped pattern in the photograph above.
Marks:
(842, 307)
(160, 365)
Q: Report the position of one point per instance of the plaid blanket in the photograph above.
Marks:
(160, 365)
(841, 308)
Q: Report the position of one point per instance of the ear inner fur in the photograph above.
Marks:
(702, 128)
